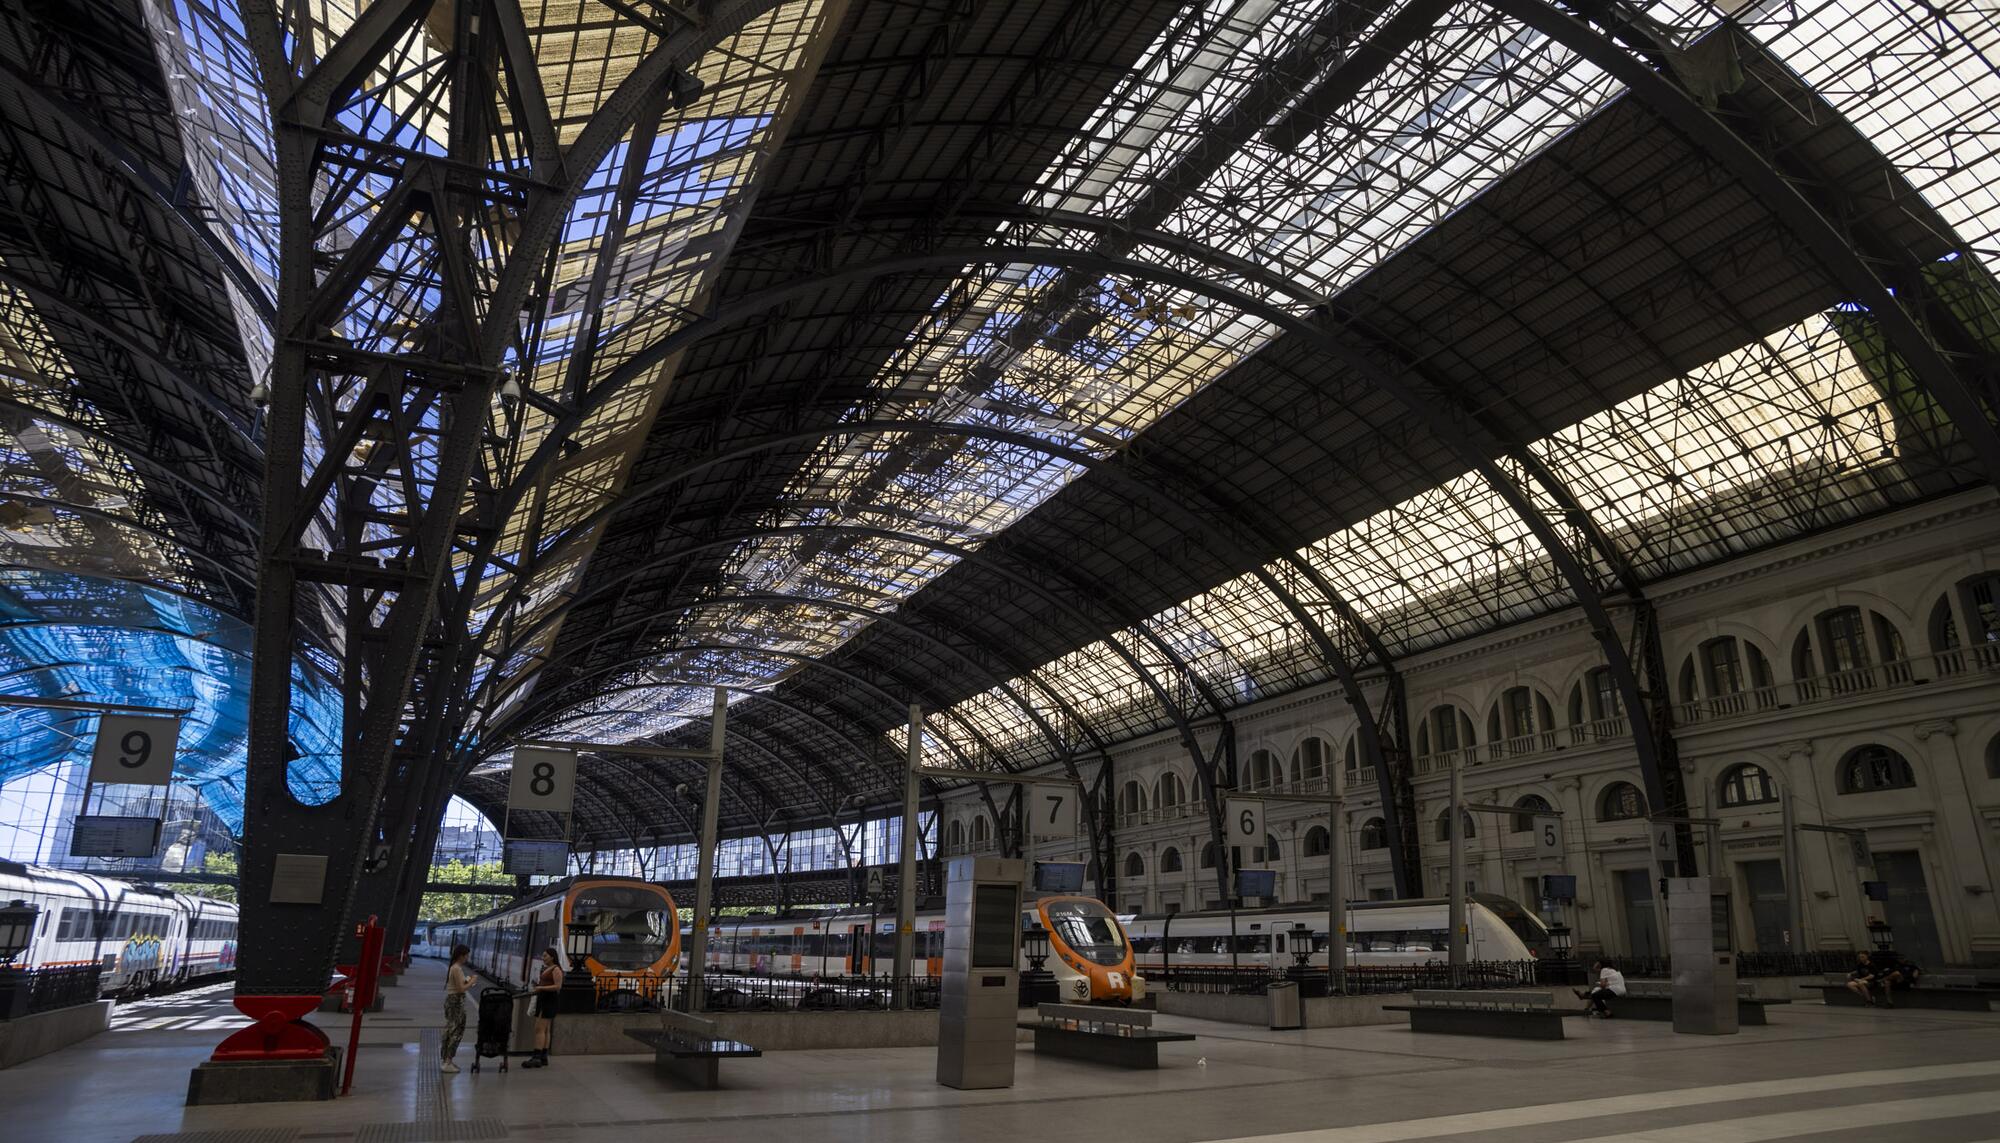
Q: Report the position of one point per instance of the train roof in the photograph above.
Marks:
(1488, 899)
(105, 886)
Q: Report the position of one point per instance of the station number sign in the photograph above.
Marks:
(135, 749)
(1244, 823)
(543, 779)
(1052, 812)
(1548, 836)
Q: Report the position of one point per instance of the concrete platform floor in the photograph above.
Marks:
(1837, 1075)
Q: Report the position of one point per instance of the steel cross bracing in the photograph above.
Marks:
(404, 274)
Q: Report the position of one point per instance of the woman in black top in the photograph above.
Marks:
(548, 981)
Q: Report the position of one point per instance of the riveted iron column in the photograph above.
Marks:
(906, 863)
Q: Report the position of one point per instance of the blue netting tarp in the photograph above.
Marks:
(97, 640)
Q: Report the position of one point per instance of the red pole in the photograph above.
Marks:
(365, 975)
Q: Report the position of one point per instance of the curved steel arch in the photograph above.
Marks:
(1450, 425)
(1673, 103)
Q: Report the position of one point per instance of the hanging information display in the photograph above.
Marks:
(536, 858)
(134, 749)
(100, 836)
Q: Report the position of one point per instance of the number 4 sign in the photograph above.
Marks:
(543, 779)
(135, 749)
(1052, 812)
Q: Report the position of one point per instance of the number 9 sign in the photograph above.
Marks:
(134, 749)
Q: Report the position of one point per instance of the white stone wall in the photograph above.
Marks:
(1940, 712)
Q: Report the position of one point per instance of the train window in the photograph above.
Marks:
(1089, 929)
(1253, 942)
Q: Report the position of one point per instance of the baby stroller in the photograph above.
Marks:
(496, 1026)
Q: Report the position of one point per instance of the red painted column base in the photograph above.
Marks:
(278, 1031)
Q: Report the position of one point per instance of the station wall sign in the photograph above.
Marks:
(1243, 823)
(544, 779)
(1052, 812)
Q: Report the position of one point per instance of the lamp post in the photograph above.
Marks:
(579, 988)
(1880, 934)
(1561, 969)
(17, 929)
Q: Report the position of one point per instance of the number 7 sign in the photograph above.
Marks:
(1052, 812)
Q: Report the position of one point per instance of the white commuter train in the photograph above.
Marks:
(145, 937)
(1379, 933)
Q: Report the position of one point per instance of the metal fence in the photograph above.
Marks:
(52, 988)
(1361, 980)
(1748, 964)
(740, 993)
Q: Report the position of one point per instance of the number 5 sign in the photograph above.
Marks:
(543, 779)
(1243, 822)
(137, 749)
(1052, 812)
(1548, 836)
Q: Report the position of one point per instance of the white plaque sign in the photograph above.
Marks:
(1243, 824)
(1052, 812)
(543, 779)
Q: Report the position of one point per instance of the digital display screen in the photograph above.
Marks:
(537, 858)
(1559, 886)
(1256, 883)
(996, 925)
(97, 836)
(1059, 876)
(1718, 919)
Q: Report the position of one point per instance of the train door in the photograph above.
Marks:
(798, 948)
(859, 946)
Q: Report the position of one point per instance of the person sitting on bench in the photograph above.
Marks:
(1894, 973)
(1610, 983)
(1863, 975)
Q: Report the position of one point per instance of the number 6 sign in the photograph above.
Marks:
(543, 779)
(134, 749)
(1243, 822)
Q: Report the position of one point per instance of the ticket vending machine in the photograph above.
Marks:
(979, 996)
(1703, 946)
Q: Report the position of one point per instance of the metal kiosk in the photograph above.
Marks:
(980, 992)
(1703, 949)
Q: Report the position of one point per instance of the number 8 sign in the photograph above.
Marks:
(543, 779)
(134, 749)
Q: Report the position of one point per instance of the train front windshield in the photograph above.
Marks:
(1088, 928)
(630, 926)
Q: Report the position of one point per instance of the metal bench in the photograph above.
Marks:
(1124, 1037)
(687, 1048)
(1654, 1000)
(1925, 994)
(1514, 1015)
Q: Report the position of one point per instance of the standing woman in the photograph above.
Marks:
(458, 980)
(547, 982)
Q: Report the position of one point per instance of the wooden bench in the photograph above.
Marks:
(1943, 991)
(1654, 1000)
(1514, 1015)
(1124, 1037)
(687, 1048)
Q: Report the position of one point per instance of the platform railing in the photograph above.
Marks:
(735, 992)
(1748, 964)
(49, 989)
(1361, 980)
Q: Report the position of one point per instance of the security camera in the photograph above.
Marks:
(686, 793)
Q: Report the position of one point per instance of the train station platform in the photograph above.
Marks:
(1839, 1075)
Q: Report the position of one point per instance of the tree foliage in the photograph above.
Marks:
(463, 906)
(218, 863)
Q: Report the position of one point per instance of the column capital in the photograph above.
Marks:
(1799, 748)
(1945, 726)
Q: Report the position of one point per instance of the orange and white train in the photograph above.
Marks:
(635, 937)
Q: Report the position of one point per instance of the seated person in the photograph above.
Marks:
(1895, 972)
(1863, 976)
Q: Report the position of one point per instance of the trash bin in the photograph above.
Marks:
(1285, 1008)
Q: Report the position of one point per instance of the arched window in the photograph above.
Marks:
(1208, 856)
(1170, 861)
(1444, 826)
(1621, 801)
(1309, 760)
(1168, 791)
(1264, 771)
(982, 830)
(1270, 850)
(1374, 834)
(1444, 729)
(954, 835)
(1979, 602)
(1731, 666)
(1517, 713)
(1747, 785)
(1354, 754)
(1601, 691)
(1867, 769)
(1316, 839)
(1841, 638)
(1131, 800)
(1530, 805)
(1135, 865)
